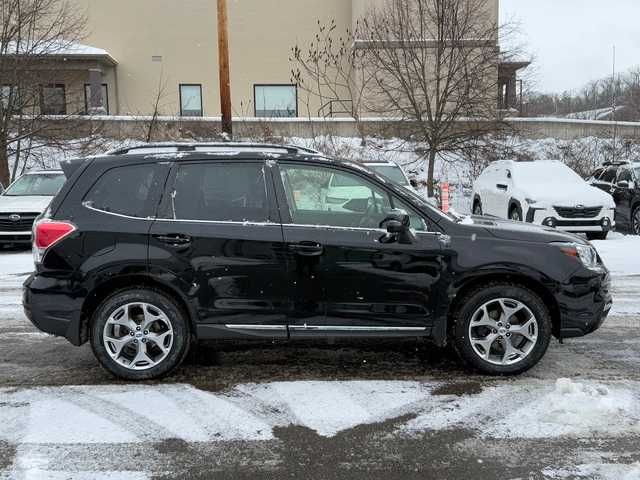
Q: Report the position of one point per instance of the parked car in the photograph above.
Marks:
(547, 193)
(622, 181)
(393, 172)
(143, 254)
(344, 193)
(23, 201)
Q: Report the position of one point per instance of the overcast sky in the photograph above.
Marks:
(573, 40)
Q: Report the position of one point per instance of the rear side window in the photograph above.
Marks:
(130, 190)
(220, 192)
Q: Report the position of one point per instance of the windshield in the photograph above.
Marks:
(545, 173)
(392, 172)
(48, 185)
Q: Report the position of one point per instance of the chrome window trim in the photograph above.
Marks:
(251, 224)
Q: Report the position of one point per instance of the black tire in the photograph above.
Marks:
(175, 314)
(597, 235)
(474, 300)
(515, 214)
(477, 208)
(635, 221)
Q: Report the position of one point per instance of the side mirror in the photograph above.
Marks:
(413, 182)
(624, 184)
(398, 226)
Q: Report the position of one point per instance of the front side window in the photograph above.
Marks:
(330, 197)
(130, 190)
(276, 100)
(609, 176)
(625, 175)
(191, 100)
(220, 192)
(53, 100)
(47, 185)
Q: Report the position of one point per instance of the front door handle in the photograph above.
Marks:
(502, 186)
(307, 249)
(174, 240)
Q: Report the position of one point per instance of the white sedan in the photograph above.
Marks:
(24, 200)
(546, 193)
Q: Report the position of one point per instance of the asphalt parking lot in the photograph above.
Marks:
(343, 410)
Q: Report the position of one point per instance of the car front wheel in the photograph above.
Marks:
(139, 334)
(502, 329)
(635, 221)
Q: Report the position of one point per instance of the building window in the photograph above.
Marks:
(53, 100)
(87, 98)
(276, 100)
(9, 98)
(190, 100)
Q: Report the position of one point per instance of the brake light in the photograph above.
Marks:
(47, 233)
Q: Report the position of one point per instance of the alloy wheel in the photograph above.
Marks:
(138, 336)
(503, 332)
(515, 215)
(636, 221)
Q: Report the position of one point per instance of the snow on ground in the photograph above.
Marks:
(620, 253)
(605, 471)
(129, 414)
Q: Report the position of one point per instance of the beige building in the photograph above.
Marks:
(140, 51)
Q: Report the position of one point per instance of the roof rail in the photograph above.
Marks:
(616, 163)
(224, 146)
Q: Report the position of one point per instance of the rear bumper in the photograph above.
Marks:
(48, 305)
(585, 302)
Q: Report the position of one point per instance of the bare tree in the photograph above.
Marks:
(31, 32)
(331, 71)
(434, 64)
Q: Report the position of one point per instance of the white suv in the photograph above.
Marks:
(544, 192)
(24, 200)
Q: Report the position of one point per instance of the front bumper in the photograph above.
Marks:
(50, 306)
(603, 222)
(585, 302)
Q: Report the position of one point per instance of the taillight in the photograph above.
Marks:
(46, 233)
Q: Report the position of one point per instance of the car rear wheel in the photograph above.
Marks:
(515, 214)
(477, 208)
(139, 334)
(502, 329)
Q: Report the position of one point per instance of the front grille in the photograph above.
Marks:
(24, 224)
(572, 212)
(576, 223)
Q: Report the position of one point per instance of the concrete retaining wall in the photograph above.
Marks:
(175, 128)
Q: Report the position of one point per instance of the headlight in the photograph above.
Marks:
(585, 253)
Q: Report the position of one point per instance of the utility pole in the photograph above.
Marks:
(223, 60)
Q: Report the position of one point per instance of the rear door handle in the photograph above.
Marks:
(174, 240)
(307, 249)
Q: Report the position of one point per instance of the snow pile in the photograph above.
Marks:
(536, 411)
(574, 409)
(602, 471)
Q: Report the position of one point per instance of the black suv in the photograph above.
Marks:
(148, 250)
(622, 181)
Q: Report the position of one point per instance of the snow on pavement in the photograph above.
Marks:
(126, 415)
